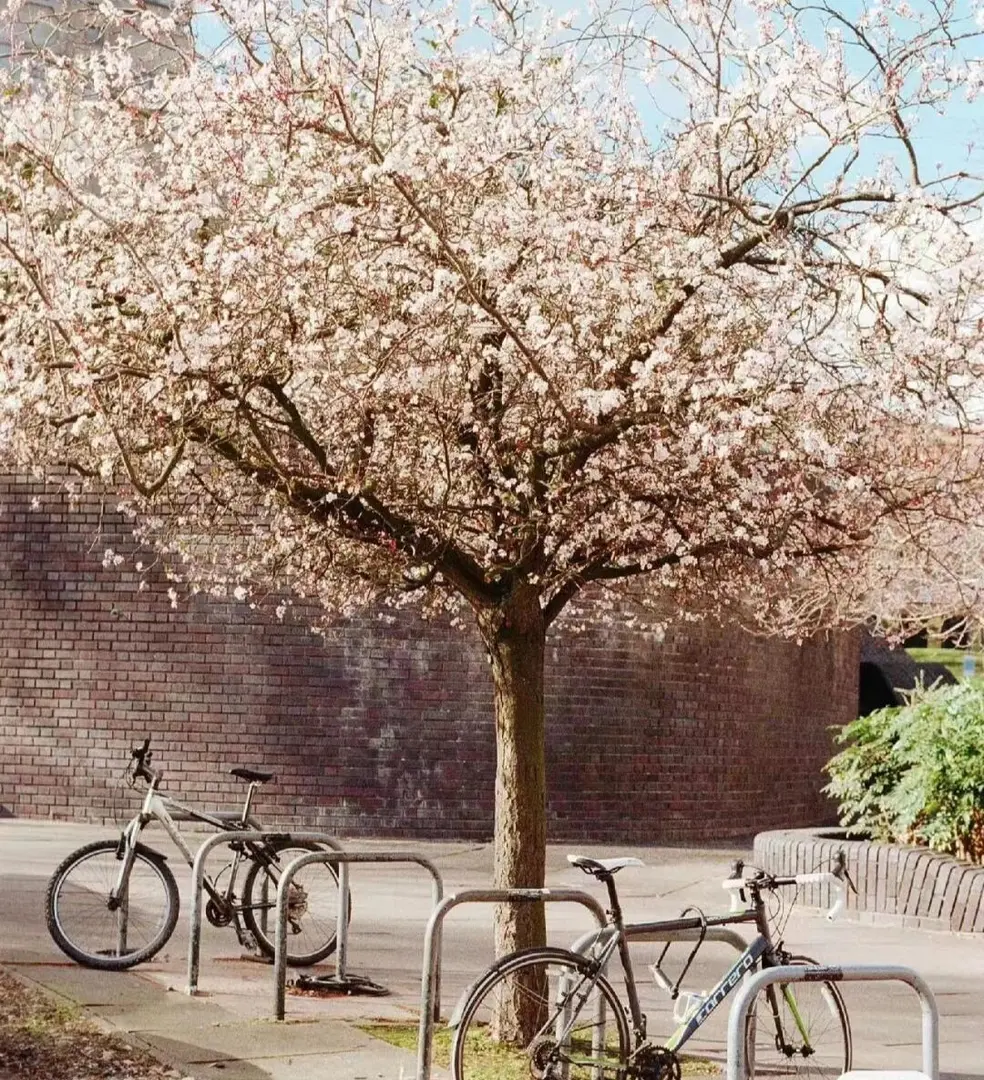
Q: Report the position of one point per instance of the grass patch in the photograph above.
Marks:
(951, 659)
(487, 1060)
(404, 1036)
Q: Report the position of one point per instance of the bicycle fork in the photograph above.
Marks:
(119, 895)
(783, 1044)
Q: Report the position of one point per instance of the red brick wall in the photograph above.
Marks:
(386, 729)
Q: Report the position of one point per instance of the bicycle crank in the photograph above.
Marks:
(218, 912)
(653, 1063)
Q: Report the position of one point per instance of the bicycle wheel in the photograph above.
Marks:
(798, 1029)
(312, 912)
(541, 1013)
(89, 929)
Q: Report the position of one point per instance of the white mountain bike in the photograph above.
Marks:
(114, 903)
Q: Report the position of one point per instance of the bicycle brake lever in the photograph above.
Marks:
(840, 871)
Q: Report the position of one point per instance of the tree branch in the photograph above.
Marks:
(361, 516)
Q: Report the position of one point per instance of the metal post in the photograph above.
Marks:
(430, 985)
(344, 900)
(198, 877)
(332, 858)
(750, 989)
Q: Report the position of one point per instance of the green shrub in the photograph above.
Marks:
(915, 774)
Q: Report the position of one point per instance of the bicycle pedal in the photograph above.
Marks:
(248, 942)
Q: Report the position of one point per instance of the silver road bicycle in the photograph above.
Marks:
(552, 1014)
(114, 903)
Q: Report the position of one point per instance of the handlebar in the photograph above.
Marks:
(140, 756)
(836, 877)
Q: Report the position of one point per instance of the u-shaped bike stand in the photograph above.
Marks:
(430, 1004)
(198, 880)
(340, 859)
(754, 984)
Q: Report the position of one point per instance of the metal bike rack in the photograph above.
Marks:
(430, 1003)
(198, 878)
(331, 858)
(851, 973)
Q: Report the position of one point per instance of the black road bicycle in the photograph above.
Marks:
(114, 903)
(552, 1014)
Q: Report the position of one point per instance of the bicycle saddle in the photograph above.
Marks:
(250, 774)
(602, 867)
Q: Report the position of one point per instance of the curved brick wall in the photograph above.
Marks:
(386, 729)
(903, 886)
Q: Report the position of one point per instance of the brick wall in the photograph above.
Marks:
(385, 728)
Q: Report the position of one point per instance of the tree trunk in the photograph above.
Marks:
(515, 635)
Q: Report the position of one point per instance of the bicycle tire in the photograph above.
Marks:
(535, 1048)
(78, 893)
(824, 1014)
(320, 925)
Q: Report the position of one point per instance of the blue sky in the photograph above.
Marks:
(954, 139)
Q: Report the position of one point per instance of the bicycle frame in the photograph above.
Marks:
(619, 937)
(760, 949)
(157, 807)
(744, 964)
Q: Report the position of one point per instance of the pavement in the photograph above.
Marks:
(226, 1031)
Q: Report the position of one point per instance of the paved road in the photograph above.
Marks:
(391, 905)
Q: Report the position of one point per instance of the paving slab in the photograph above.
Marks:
(244, 1050)
(377, 1062)
(86, 988)
(192, 1062)
(254, 1039)
(182, 1054)
(167, 1012)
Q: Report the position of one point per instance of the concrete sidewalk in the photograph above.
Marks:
(226, 1031)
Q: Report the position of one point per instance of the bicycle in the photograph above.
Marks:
(552, 1014)
(113, 904)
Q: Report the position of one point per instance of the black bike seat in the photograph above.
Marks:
(602, 867)
(251, 775)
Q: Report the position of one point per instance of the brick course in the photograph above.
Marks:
(385, 728)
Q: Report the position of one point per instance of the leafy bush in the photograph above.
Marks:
(915, 774)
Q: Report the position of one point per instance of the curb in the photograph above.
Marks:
(897, 885)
